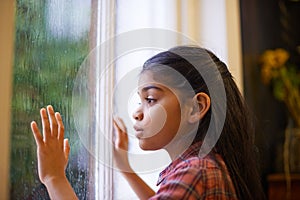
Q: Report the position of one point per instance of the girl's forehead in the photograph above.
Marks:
(147, 81)
(145, 76)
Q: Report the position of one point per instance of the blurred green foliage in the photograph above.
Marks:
(44, 70)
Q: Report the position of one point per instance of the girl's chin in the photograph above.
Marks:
(144, 145)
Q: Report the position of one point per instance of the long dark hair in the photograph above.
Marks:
(236, 142)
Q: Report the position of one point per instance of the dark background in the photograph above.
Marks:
(267, 24)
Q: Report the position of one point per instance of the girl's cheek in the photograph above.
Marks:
(155, 120)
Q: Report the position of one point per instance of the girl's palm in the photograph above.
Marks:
(52, 149)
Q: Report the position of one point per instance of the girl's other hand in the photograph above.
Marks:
(52, 149)
(121, 146)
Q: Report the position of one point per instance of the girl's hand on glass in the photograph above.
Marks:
(121, 146)
(52, 149)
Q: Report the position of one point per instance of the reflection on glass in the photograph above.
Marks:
(51, 41)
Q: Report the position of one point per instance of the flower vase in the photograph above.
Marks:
(291, 149)
(294, 150)
(291, 155)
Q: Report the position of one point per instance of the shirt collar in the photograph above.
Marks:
(193, 150)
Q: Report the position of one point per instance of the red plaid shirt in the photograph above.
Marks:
(192, 177)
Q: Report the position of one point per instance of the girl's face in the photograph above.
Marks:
(159, 116)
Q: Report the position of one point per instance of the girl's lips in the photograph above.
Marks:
(139, 131)
(137, 128)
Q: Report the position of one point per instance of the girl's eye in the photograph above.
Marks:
(150, 100)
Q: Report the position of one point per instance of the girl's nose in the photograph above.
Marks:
(138, 115)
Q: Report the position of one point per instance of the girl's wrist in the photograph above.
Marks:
(127, 171)
(55, 180)
(59, 187)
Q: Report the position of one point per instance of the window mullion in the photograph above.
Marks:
(103, 104)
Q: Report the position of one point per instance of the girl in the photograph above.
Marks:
(175, 114)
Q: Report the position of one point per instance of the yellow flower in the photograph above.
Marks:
(275, 58)
(284, 79)
(281, 56)
(266, 74)
(268, 58)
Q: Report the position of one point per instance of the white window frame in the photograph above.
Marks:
(104, 30)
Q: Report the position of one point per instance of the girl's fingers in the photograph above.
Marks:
(66, 148)
(121, 130)
(52, 125)
(120, 124)
(36, 133)
(53, 122)
(121, 140)
(61, 129)
(116, 126)
(46, 124)
(117, 135)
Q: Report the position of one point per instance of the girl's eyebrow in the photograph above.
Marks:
(145, 89)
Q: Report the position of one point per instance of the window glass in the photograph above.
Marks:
(51, 42)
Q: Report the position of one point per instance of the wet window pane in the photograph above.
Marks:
(51, 42)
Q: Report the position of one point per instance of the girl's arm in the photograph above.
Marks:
(142, 190)
(52, 152)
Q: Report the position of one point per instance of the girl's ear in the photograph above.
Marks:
(201, 104)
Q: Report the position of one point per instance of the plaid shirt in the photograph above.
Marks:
(192, 177)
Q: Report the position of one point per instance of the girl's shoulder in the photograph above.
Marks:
(210, 161)
(205, 177)
(189, 166)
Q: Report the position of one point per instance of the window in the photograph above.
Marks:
(52, 40)
(76, 56)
